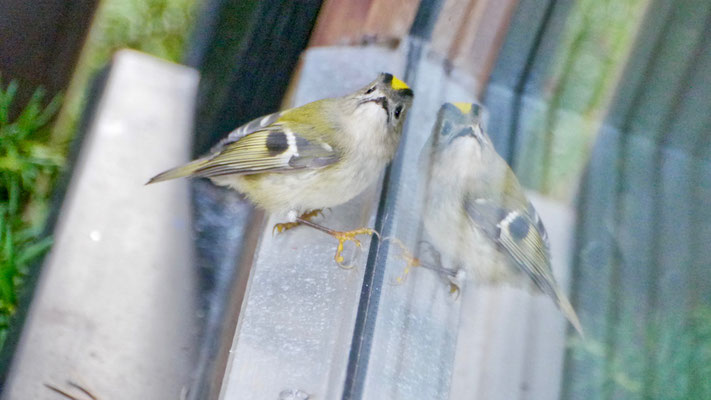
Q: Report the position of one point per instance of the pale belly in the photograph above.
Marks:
(454, 235)
(305, 190)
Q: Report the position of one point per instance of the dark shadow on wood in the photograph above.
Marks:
(246, 53)
(41, 42)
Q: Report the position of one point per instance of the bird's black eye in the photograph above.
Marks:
(371, 90)
(397, 112)
(446, 129)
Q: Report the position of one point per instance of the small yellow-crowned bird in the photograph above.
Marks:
(476, 212)
(298, 161)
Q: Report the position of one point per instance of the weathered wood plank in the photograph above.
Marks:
(641, 302)
(41, 42)
(297, 319)
(700, 266)
(594, 274)
(634, 75)
(571, 80)
(247, 65)
(673, 60)
(344, 22)
(510, 72)
(410, 329)
(115, 309)
(687, 126)
(470, 34)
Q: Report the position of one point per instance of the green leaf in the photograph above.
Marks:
(13, 194)
(49, 111)
(7, 269)
(27, 121)
(6, 100)
(3, 211)
(34, 250)
(8, 249)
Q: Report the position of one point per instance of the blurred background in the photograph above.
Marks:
(600, 106)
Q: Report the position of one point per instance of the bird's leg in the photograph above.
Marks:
(410, 259)
(68, 395)
(341, 236)
(454, 278)
(451, 275)
(285, 226)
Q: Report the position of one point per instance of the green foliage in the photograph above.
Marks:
(675, 366)
(28, 165)
(157, 27)
(31, 154)
(585, 71)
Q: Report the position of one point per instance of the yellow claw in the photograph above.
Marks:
(454, 289)
(311, 214)
(344, 237)
(285, 226)
(410, 259)
(411, 262)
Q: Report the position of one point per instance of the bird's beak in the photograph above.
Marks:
(473, 131)
(382, 100)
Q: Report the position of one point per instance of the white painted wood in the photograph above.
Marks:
(115, 308)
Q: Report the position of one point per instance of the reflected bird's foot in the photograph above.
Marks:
(285, 226)
(85, 392)
(433, 261)
(454, 278)
(454, 289)
(410, 260)
(429, 252)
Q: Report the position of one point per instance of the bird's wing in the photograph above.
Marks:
(519, 233)
(244, 130)
(271, 149)
(262, 145)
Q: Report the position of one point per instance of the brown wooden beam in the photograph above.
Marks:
(41, 41)
(344, 22)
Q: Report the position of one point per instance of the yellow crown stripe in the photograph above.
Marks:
(465, 108)
(397, 84)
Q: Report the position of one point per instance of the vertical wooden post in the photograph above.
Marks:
(246, 52)
(41, 42)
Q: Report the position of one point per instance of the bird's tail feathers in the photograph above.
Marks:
(179, 172)
(567, 309)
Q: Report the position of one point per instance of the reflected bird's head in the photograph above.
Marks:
(460, 124)
(458, 137)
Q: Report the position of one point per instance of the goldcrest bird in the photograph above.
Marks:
(476, 212)
(301, 160)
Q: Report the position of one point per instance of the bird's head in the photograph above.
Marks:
(460, 125)
(386, 99)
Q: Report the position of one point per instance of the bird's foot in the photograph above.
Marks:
(349, 236)
(285, 226)
(432, 260)
(454, 278)
(454, 289)
(410, 260)
(341, 236)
